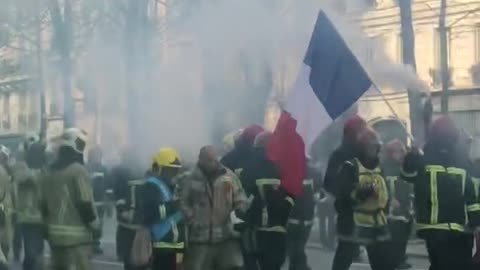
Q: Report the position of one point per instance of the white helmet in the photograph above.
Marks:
(75, 138)
(4, 150)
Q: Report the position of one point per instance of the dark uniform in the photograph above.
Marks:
(98, 176)
(166, 222)
(269, 211)
(301, 221)
(400, 216)
(343, 153)
(236, 160)
(361, 204)
(445, 205)
(127, 191)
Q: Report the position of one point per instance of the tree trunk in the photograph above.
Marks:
(408, 58)
(63, 39)
(444, 69)
(40, 71)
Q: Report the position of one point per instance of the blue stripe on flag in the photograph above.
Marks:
(336, 77)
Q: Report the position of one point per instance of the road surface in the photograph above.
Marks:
(319, 259)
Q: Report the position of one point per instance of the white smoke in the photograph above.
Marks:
(187, 52)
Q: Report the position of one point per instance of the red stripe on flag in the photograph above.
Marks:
(287, 150)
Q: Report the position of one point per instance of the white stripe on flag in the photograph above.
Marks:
(306, 108)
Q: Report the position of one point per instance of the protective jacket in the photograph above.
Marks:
(304, 209)
(399, 190)
(361, 203)
(127, 185)
(335, 162)
(27, 189)
(67, 206)
(208, 204)
(98, 176)
(162, 215)
(270, 204)
(444, 190)
(6, 208)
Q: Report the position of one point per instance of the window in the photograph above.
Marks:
(477, 43)
(6, 111)
(436, 48)
(399, 48)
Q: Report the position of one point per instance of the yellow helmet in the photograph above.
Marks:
(167, 157)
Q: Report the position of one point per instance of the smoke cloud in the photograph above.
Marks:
(206, 69)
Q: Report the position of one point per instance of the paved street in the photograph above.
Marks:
(319, 259)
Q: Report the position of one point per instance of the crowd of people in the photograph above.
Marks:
(229, 211)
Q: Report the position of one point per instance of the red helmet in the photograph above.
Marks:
(444, 129)
(353, 126)
(250, 132)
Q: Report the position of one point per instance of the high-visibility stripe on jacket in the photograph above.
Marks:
(371, 212)
(65, 194)
(162, 215)
(127, 204)
(445, 196)
(265, 216)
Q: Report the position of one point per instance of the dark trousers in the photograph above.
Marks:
(124, 239)
(272, 250)
(297, 240)
(449, 250)
(17, 241)
(100, 213)
(379, 255)
(164, 260)
(326, 220)
(400, 231)
(33, 242)
(249, 259)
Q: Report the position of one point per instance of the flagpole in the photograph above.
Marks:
(393, 111)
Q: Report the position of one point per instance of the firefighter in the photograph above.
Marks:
(209, 194)
(344, 152)
(361, 204)
(301, 220)
(269, 209)
(6, 208)
(445, 203)
(161, 211)
(128, 179)
(400, 217)
(235, 159)
(27, 175)
(98, 176)
(67, 205)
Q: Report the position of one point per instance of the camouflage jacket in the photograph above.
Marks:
(208, 204)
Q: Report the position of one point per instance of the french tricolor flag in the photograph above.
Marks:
(331, 80)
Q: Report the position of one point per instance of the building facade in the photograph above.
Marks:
(382, 22)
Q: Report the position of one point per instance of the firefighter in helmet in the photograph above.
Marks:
(446, 207)
(161, 211)
(98, 176)
(26, 176)
(6, 208)
(67, 205)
